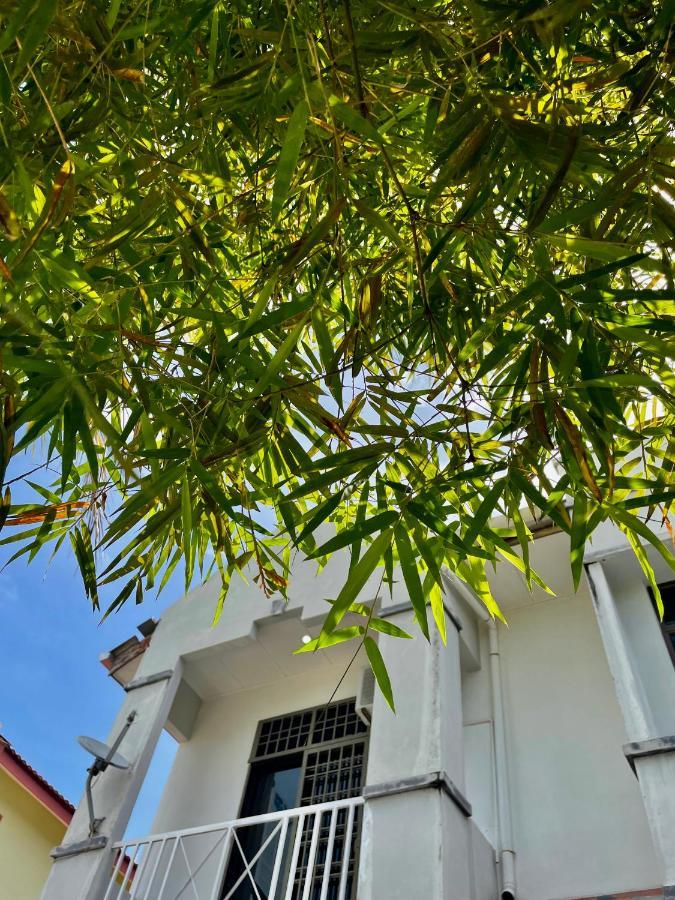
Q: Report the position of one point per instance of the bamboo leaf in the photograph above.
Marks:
(412, 579)
(339, 636)
(380, 671)
(578, 536)
(355, 583)
(358, 531)
(288, 157)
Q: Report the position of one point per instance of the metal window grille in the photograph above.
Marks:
(335, 722)
(333, 774)
(283, 734)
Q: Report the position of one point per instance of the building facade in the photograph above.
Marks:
(534, 760)
(33, 817)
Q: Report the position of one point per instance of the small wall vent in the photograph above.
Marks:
(365, 696)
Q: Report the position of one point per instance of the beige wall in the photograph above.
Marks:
(28, 832)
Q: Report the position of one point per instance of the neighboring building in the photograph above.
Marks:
(33, 817)
(533, 761)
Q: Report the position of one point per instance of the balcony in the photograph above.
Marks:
(296, 854)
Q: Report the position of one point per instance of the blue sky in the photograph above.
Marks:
(52, 684)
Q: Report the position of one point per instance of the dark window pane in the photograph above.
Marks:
(668, 597)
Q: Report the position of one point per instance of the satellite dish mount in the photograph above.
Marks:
(104, 756)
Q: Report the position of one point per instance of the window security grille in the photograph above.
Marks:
(283, 734)
(335, 722)
(332, 773)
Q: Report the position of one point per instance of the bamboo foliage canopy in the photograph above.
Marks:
(403, 267)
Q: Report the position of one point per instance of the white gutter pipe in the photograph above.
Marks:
(506, 852)
(507, 855)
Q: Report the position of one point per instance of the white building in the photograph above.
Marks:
(534, 761)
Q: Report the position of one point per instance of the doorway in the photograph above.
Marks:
(309, 757)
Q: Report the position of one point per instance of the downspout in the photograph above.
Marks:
(505, 850)
(507, 855)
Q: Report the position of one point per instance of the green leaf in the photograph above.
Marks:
(385, 227)
(186, 516)
(603, 250)
(648, 570)
(68, 448)
(348, 116)
(357, 531)
(484, 512)
(379, 671)
(39, 21)
(320, 515)
(288, 157)
(280, 357)
(578, 535)
(385, 627)
(632, 525)
(435, 593)
(352, 458)
(412, 578)
(339, 636)
(113, 11)
(84, 554)
(355, 583)
(222, 595)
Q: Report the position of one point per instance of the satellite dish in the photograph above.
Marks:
(104, 756)
(103, 752)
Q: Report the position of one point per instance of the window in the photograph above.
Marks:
(312, 756)
(668, 623)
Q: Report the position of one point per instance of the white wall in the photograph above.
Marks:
(579, 823)
(207, 779)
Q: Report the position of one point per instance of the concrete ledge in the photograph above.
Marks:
(149, 679)
(387, 611)
(653, 747)
(92, 843)
(434, 780)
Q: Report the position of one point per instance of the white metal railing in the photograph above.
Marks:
(294, 854)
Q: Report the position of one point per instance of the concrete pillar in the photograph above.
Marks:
(83, 875)
(417, 833)
(651, 756)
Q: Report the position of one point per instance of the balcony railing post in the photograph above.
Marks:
(220, 872)
(151, 880)
(309, 873)
(325, 881)
(278, 859)
(294, 858)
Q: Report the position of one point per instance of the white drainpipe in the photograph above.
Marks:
(507, 855)
(506, 852)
